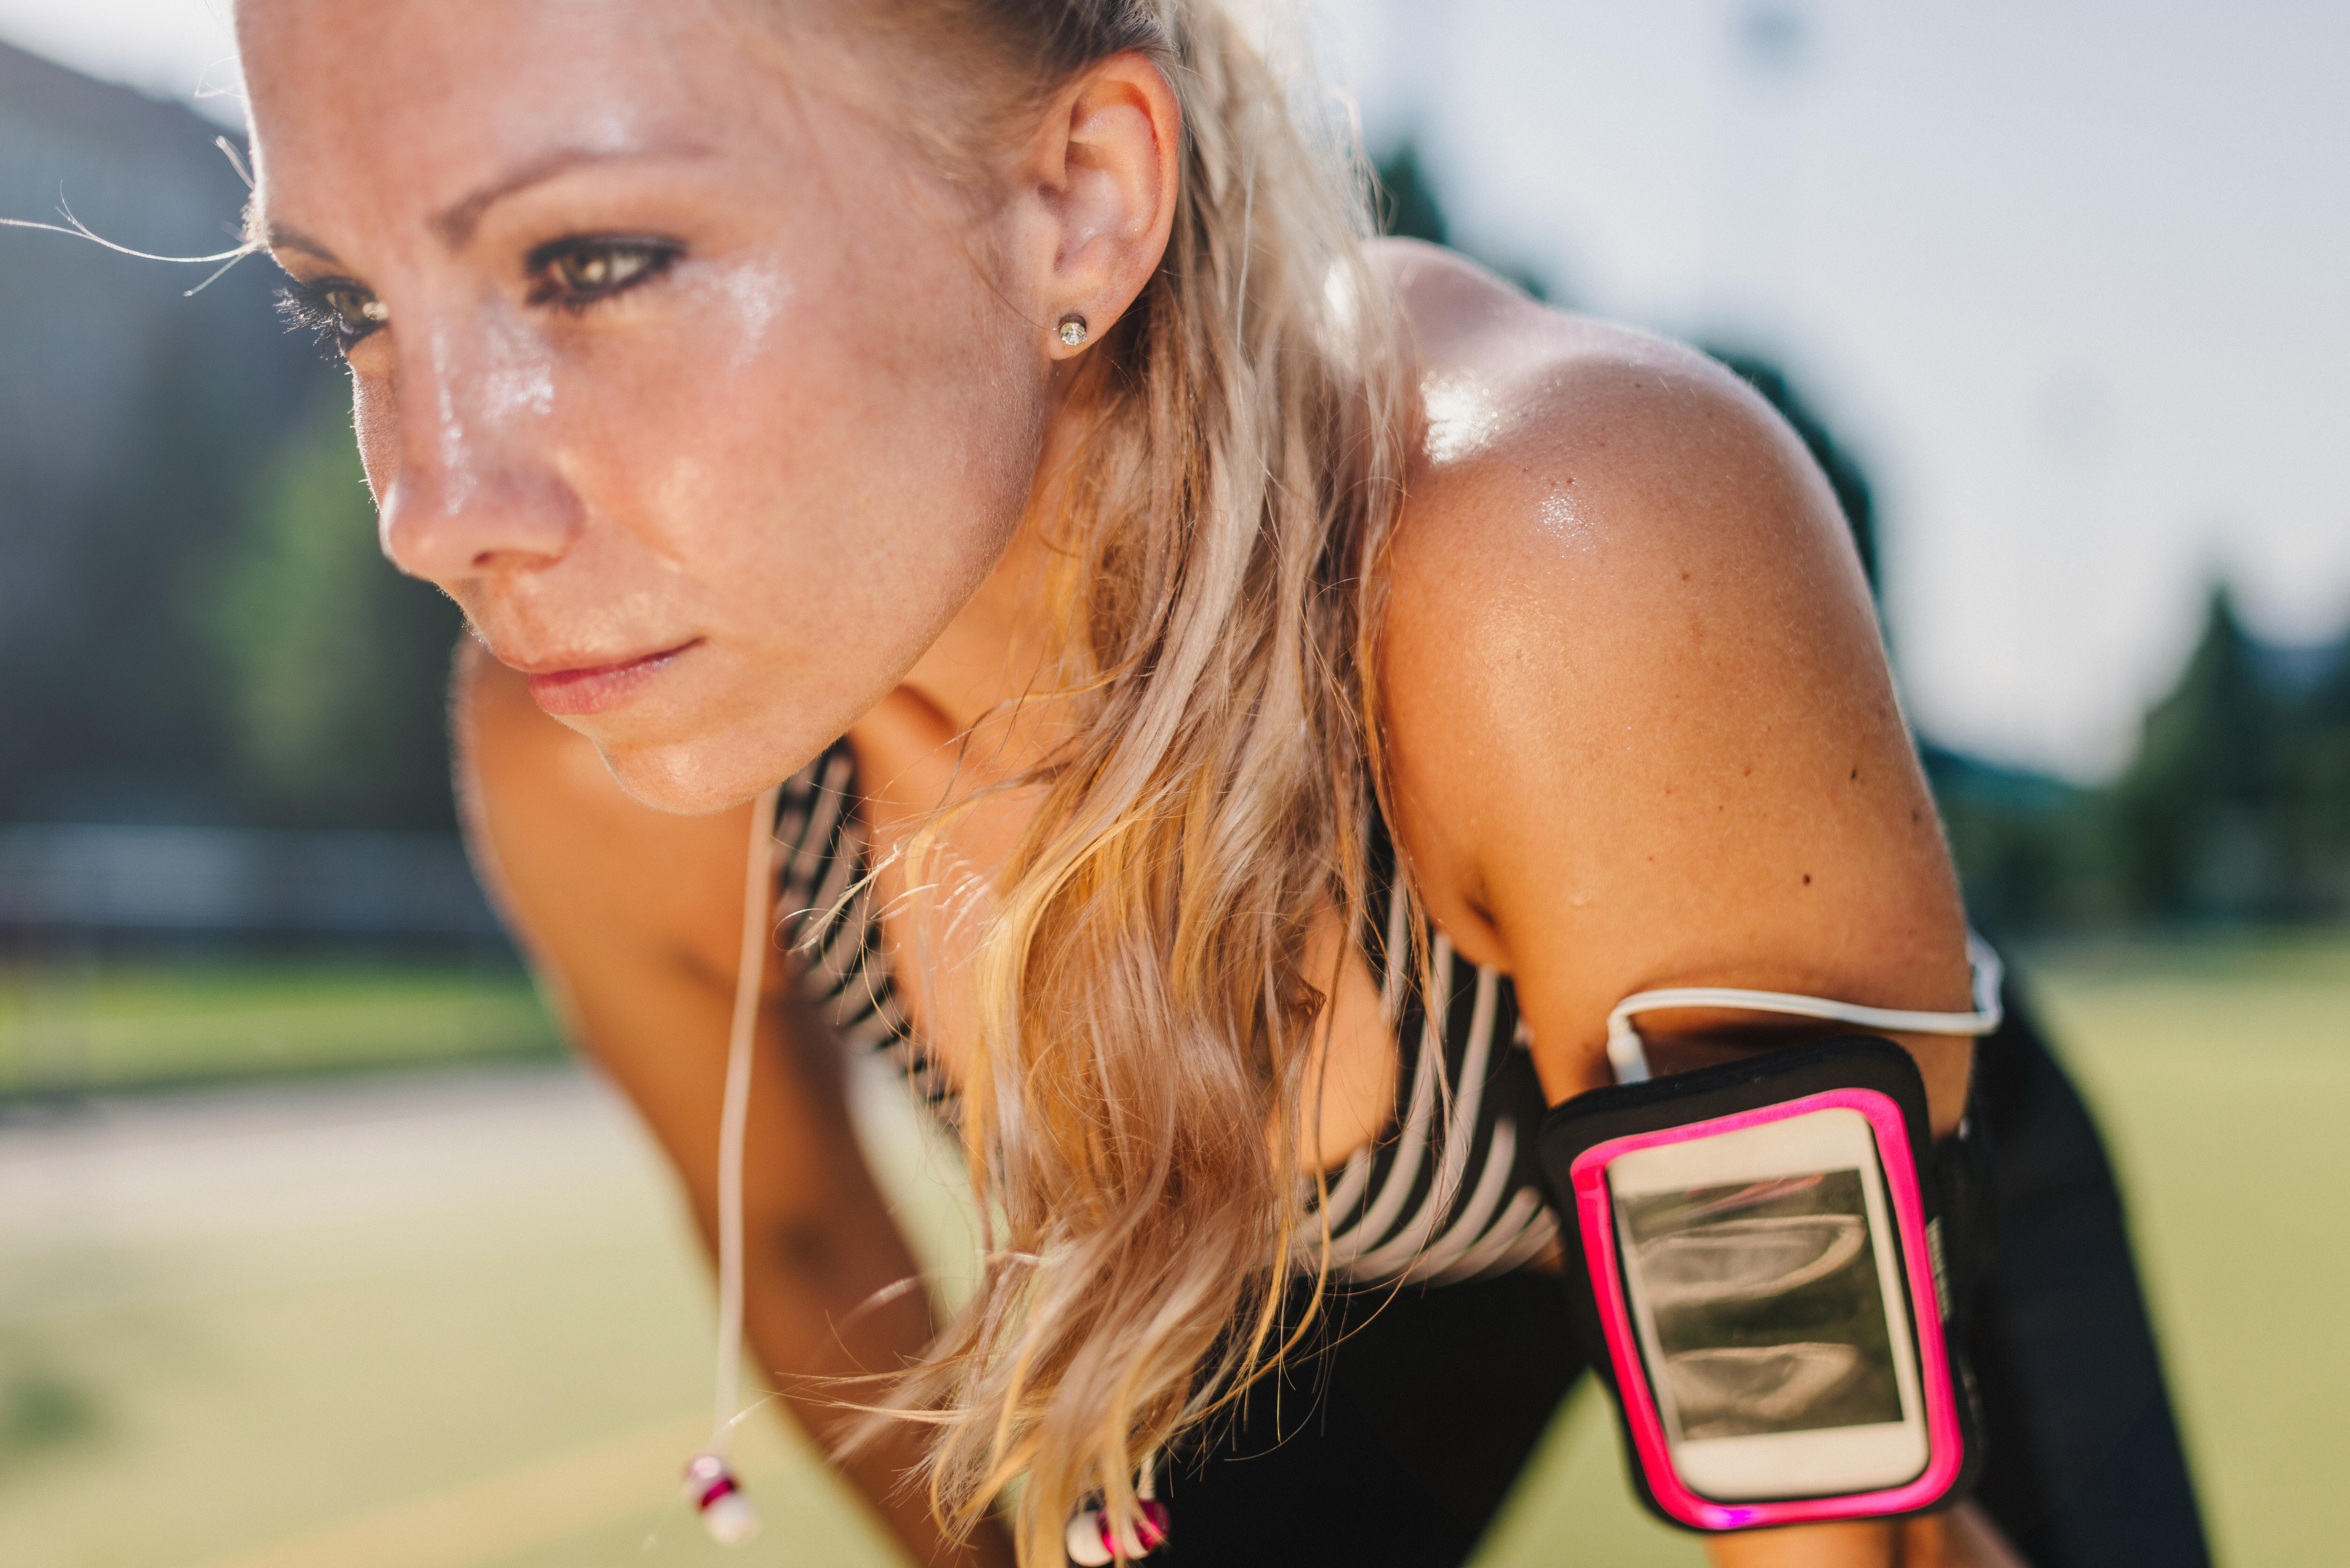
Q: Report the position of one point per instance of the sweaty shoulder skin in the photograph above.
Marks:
(1643, 734)
(1643, 731)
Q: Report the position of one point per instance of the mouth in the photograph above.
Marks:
(595, 688)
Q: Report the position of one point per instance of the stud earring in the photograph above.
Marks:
(1073, 329)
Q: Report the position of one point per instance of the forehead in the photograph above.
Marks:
(435, 92)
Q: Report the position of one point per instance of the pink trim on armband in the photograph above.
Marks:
(1943, 1457)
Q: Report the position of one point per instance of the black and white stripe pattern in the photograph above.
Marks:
(1451, 1193)
(825, 913)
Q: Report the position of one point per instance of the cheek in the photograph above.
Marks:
(792, 447)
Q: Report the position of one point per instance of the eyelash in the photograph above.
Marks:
(342, 311)
(633, 258)
(314, 307)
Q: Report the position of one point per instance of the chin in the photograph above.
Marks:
(686, 779)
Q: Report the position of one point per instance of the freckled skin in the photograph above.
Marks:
(1624, 762)
(675, 465)
(793, 462)
(1630, 663)
(1628, 764)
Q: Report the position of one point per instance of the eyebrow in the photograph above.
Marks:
(455, 223)
(282, 238)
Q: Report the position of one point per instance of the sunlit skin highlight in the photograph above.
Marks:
(657, 471)
(722, 414)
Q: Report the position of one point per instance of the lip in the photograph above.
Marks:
(595, 688)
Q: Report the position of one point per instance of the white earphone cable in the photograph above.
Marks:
(1630, 1060)
(758, 906)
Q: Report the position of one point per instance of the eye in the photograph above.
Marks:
(577, 273)
(339, 310)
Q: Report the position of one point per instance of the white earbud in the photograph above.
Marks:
(726, 1513)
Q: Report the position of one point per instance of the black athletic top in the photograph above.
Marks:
(2084, 1466)
(1448, 1193)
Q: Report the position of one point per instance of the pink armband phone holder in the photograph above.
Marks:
(1756, 1258)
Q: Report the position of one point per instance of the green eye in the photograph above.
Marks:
(599, 269)
(580, 272)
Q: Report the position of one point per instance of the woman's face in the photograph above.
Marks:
(675, 370)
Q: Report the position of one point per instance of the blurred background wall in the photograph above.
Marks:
(308, 1234)
(221, 721)
(195, 622)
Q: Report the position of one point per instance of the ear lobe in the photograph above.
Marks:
(1107, 174)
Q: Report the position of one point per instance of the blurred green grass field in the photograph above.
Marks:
(449, 1318)
(85, 1024)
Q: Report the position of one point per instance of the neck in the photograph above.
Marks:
(994, 652)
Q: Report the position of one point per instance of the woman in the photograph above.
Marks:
(990, 418)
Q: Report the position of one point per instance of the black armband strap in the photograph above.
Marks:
(1768, 1262)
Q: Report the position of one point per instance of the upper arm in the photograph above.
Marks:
(632, 919)
(1643, 731)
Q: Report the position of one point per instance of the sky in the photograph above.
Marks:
(2064, 274)
(166, 49)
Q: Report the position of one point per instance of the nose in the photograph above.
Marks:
(476, 488)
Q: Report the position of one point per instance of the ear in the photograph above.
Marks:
(1099, 198)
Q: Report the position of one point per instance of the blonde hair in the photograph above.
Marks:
(1138, 1114)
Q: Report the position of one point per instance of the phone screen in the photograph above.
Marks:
(1764, 1304)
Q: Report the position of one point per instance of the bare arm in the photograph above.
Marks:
(632, 917)
(1644, 733)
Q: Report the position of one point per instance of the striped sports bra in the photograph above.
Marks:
(1450, 1192)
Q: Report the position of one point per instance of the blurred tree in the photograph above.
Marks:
(2238, 803)
(2189, 805)
(114, 689)
(337, 664)
(2321, 779)
(1407, 207)
(2032, 851)
(132, 417)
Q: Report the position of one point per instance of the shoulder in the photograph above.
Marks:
(1555, 441)
(1601, 527)
(1635, 698)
